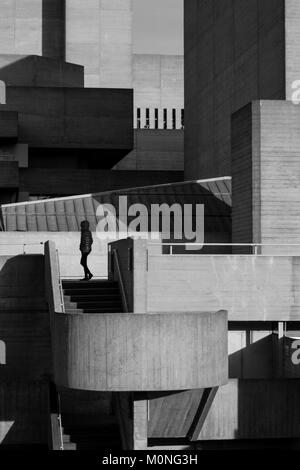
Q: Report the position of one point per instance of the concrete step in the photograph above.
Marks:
(113, 303)
(91, 297)
(88, 430)
(70, 446)
(102, 291)
(94, 311)
(85, 435)
(93, 447)
(88, 284)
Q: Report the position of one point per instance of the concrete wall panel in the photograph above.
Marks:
(234, 53)
(254, 409)
(158, 84)
(18, 70)
(292, 45)
(99, 37)
(155, 150)
(266, 175)
(32, 27)
(72, 117)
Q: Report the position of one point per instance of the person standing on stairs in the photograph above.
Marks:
(85, 247)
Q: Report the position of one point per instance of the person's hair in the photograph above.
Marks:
(85, 225)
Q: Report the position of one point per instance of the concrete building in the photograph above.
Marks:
(99, 37)
(174, 344)
(159, 88)
(235, 52)
(65, 125)
(158, 114)
(94, 34)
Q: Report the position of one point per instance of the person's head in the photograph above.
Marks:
(85, 225)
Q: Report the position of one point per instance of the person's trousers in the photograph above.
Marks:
(83, 263)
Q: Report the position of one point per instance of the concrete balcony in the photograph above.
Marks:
(131, 352)
(251, 288)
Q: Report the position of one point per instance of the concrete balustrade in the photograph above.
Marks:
(126, 352)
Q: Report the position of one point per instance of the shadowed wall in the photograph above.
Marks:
(234, 53)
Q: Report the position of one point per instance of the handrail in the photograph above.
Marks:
(247, 245)
(22, 245)
(53, 286)
(224, 244)
(56, 430)
(121, 281)
(60, 424)
(62, 302)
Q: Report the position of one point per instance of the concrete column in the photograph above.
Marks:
(135, 118)
(160, 118)
(178, 118)
(169, 119)
(143, 118)
(140, 421)
(2, 92)
(265, 177)
(152, 118)
(140, 257)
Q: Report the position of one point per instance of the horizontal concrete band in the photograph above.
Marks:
(141, 352)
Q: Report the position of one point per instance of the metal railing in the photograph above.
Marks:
(23, 245)
(62, 302)
(56, 440)
(61, 437)
(121, 281)
(254, 246)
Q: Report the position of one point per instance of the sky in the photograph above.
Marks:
(158, 26)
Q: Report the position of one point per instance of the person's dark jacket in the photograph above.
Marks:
(86, 241)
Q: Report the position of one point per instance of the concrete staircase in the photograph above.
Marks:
(88, 422)
(85, 432)
(87, 418)
(92, 296)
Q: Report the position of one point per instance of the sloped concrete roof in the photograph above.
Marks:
(65, 214)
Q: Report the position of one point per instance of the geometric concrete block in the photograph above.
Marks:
(71, 118)
(33, 70)
(8, 125)
(266, 176)
(9, 174)
(99, 37)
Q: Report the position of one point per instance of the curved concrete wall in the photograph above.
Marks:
(140, 352)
